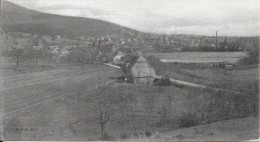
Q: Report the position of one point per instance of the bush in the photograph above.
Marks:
(157, 135)
(187, 120)
(107, 137)
(123, 136)
(148, 134)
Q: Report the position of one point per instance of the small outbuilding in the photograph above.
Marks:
(118, 58)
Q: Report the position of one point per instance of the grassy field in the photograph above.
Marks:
(239, 80)
(231, 57)
(61, 103)
(51, 103)
(174, 108)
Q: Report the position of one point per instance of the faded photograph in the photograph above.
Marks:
(129, 70)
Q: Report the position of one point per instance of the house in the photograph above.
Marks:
(117, 59)
(38, 46)
(56, 51)
(138, 71)
(64, 52)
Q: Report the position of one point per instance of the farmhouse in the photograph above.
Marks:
(138, 71)
(38, 47)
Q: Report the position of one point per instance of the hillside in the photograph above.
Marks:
(20, 19)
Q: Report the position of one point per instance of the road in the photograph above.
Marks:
(190, 84)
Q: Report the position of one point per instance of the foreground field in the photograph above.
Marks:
(231, 57)
(45, 105)
(230, 130)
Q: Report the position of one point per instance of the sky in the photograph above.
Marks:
(201, 17)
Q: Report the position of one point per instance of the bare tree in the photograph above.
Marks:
(105, 100)
(125, 105)
(149, 105)
(104, 114)
(164, 113)
(17, 55)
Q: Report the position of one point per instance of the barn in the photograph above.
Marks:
(138, 71)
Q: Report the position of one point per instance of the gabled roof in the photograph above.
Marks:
(119, 54)
(142, 68)
(130, 62)
(141, 59)
(139, 67)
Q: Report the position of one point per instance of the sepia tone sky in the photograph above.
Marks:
(203, 17)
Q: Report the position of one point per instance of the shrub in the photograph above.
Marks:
(187, 120)
(157, 135)
(107, 137)
(164, 115)
(123, 136)
(148, 134)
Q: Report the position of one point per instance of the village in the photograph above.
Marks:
(123, 53)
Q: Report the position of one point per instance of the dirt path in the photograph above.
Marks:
(189, 84)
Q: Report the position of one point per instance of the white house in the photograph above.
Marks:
(117, 58)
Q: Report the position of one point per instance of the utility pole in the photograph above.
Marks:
(216, 39)
(1, 15)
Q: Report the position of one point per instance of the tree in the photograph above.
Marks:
(104, 114)
(17, 54)
(125, 105)
(105, 101)
(149, 105)
(164, 114)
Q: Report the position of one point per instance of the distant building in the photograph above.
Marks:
(38, 47)
(139, 71)
(67, 48)
(64, 52)
(56, 51)
(117, 58)
(53, 47)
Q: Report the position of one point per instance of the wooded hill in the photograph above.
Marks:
(19, 19)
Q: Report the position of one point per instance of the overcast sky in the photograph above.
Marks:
(203, 17)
